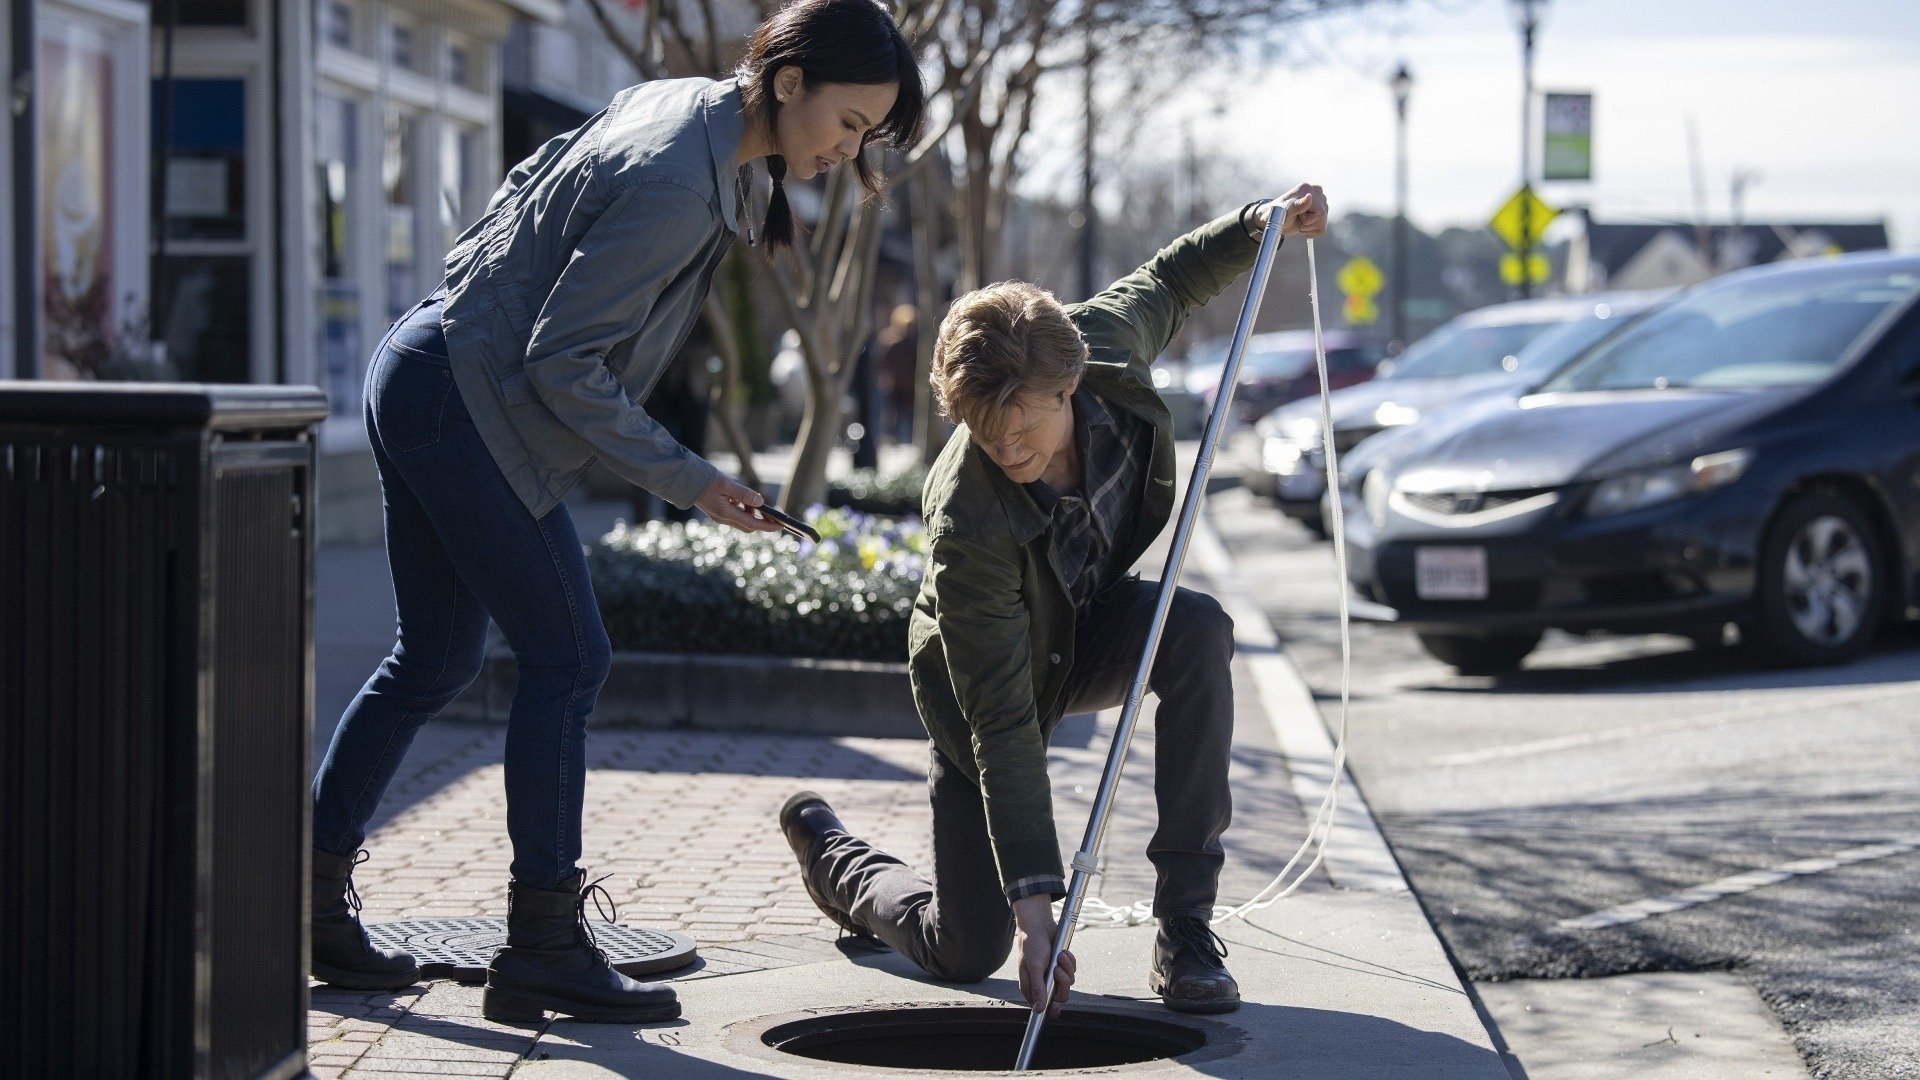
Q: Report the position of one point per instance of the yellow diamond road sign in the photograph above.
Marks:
(1525, 210)
(1360, 277)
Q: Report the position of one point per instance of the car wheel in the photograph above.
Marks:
(1481, 654)
(1822, 587)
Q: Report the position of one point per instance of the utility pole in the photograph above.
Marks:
(1527, 14)
(1402, 83)
(1089, 220)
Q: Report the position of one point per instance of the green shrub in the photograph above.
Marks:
(702, 587)
(894, 495)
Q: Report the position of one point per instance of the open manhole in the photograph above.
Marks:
(980, 1038)
(461, 949)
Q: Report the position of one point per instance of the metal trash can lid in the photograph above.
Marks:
(219, 406)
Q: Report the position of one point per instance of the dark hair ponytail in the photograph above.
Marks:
(778, 230)
(830, 41)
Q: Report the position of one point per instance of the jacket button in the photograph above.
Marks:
(1055, 657)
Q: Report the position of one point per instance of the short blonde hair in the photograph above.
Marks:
(1001, 345)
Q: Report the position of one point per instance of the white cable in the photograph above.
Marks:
(1097, 913)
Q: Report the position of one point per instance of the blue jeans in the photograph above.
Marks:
(461, 546)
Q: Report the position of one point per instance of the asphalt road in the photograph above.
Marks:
(1611, 771)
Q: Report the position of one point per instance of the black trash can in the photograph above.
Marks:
(156, 710)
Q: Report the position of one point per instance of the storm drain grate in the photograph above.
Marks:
(460, 949)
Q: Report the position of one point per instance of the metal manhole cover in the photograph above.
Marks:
(460, 949)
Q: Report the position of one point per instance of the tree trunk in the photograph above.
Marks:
(723, 394)
(819, 430)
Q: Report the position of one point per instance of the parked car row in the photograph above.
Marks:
(1492, 350)
(1747, 452)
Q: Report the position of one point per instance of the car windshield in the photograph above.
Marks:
(1567, 341)
(1781, 330)
(1454, 350)
(1277, 363)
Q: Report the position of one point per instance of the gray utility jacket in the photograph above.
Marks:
(570, 295)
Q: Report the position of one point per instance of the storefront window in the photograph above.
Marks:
(207, 12)
(460, 177)
(342, 356)
(399, 170)
(208, 325)
(336, 23)
(463, 68)
(207, 158)
(78, 225)
(400, 45)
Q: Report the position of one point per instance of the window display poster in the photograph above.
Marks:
(76, 208)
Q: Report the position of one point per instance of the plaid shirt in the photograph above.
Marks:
(1085, 527)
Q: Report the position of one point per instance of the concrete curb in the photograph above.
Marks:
(781, 695)
(1357, 855)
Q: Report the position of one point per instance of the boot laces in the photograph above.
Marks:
(1195, 934)
(608, 911)
(353, 894)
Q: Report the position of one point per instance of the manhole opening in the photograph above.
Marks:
(980, 1039)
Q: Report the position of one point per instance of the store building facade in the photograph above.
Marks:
(242, 190)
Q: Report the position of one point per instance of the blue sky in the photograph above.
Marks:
(1822, 100)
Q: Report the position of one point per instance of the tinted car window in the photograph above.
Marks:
(1773, 331)
(1454, 351)
(1279, 363)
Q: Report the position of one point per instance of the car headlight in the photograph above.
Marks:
(1302, 430)
(1280, 456)
(1631, 491)
(1373, 494)
(1394, 414)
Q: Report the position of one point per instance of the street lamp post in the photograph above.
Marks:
(1527, 14)
(1402, 82)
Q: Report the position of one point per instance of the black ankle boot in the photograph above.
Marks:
(552, 964)
(342, 955)
(1189, 968)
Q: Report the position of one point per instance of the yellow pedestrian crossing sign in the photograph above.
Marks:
(1360, 277)
(1538, 272)
(1524, 211)
(1361, 310)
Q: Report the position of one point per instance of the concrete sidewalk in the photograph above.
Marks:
(1338, 981)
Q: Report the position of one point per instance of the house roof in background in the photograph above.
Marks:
(1614, 245)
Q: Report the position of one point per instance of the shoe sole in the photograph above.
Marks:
(1204, 1008)
(360, 980)
(519, 1007)
(843, 921)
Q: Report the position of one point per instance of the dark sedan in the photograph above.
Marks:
(1749, 453)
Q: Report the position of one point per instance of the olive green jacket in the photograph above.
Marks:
(991, 639)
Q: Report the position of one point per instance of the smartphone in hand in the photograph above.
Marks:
(789, 523)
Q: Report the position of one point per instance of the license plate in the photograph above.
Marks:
(1455, 572)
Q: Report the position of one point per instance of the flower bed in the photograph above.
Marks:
(894, 495)
(704, 588)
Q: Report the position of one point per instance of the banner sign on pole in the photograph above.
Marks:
(1566, 132)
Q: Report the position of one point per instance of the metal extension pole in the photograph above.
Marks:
(1086, 862)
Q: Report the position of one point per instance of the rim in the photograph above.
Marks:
(1829, 581)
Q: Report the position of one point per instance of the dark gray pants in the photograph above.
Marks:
(958, 926)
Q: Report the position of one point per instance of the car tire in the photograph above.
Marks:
(1821, 588)
(1481, 654)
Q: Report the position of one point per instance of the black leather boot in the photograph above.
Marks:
(1189, 969)
(807, 821)
(342, 955)
(552, 964)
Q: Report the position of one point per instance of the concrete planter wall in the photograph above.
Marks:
(780, 694)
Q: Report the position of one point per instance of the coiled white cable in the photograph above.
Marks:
(1097, 913)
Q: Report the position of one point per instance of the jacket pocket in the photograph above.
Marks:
(517, 389)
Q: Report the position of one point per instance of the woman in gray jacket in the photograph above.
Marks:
(493, 396)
